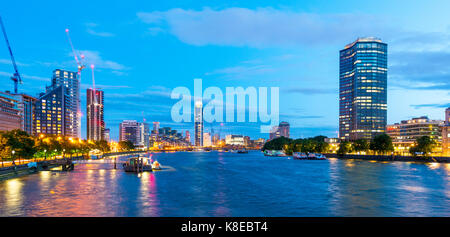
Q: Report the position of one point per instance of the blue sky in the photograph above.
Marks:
(142, 50)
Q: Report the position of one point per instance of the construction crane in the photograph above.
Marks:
(80, 65)
(16, 77)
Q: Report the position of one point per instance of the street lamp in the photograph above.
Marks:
(45, 154)
(13, 152)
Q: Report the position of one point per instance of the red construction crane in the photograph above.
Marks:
(16, 77)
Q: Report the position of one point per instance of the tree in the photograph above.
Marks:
(18, 141)
(277, 144)
(381, 144)
(361, 145)
(126, 145)
(5, 149)
(344, 148)
(102, 145)
(424, 144)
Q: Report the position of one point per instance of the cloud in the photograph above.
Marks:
(242, 70)
(443, 105)
(423, 70)
(90, 29)
(8, 62)
(93, 57)
(311, 91)
(25, 76)
(100, 86)
(262, 27)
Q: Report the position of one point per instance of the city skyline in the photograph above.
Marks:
(304, 69)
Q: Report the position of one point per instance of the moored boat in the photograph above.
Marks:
(156, 165)
(137, 164)
(308, 156)
(275, 153)
(299, 156)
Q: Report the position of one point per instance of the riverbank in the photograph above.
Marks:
(21, 170)
(390, 158)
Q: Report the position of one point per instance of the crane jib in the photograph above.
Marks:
(16, 78)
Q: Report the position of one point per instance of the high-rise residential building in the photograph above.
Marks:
(144, 135)
(207, 139)
(128, 131)
(27, 107)
(282, 130)
(53, 112)
(95, 123)
(188, 137)
(247, 141)
(446, 134)
(70, 81)
(155, 127)
(410, 130)
(447, 117)
(215, 139)
(135, 132)
(107, 134)
(362, 89)
(10, 118)
(198, 122)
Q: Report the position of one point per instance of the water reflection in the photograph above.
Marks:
(148, 200)
(229, 184)
(13, 197)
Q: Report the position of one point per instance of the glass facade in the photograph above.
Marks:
(198, 120)
(70, 80)
(53, 113)
(363, 89)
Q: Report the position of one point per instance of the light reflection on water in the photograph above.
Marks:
(230, 184)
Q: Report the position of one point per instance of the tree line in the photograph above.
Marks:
(379, 145)
(288, 145)
(27, 146)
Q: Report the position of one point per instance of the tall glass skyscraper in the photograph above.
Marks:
(198, 119)
(70, 81)
(362, 89)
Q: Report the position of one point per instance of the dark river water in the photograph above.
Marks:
(230, 184)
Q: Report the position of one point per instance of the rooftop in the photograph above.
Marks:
(364, 39)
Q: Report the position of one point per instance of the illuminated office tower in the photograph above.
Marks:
(53, 112)
(95, 123)
(198, 115)
(70, 81)
(362, 89)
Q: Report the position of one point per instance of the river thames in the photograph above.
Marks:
(231, 184)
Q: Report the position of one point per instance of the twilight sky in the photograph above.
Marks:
(143, 50)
